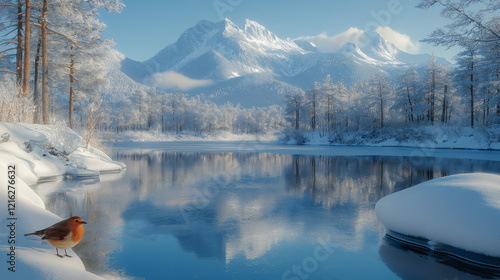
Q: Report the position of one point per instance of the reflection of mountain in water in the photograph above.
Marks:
(229, 205)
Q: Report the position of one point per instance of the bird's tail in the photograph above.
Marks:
(39, 233)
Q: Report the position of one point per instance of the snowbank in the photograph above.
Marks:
(435, 137)
(51, 151)
(41, 152)
(461, 211)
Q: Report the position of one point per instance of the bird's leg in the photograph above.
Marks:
(66, 254)
(57, 253)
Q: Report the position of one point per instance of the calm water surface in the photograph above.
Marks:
(229, 215)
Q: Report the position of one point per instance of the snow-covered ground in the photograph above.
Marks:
(431, 137)
(157, 136)
(459, 211)
(40, 153)
(438, 137)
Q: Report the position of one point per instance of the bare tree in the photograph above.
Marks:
(294, 106)
(27, 35)
(94, 118)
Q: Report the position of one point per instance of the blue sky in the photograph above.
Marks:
(145, 27)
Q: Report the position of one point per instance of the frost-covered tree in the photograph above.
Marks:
(467, 76)
(67, 37)
(11, 38)
(313, 103)
(407, 90)
(341, 100)
(490, 76)
(80, 55)
(433, 86)
(379, 90)
(473, 22)
(329, 97)
(294, 106)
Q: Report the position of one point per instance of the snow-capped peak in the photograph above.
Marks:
(231, 58)
(230, 29)
(378, 47)
(257, 31)
(374, 49)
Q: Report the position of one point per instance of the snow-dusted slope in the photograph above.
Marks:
(219, 51)
(235, 58)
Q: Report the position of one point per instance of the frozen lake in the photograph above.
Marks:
(255, 211)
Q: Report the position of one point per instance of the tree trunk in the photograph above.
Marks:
(45, 65)
(443, 114)
(472, 95)
(411, 104)
(71, 88)
(328, 113)
(35, 85)
(297, 117)
(471, 105)
(27, 35)
(433, 95)
(19, 49)
(313, 121)
(381, 107)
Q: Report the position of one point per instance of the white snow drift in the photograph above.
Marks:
(40, 152)
(462, 211)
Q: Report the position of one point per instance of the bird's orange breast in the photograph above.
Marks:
(77, 234)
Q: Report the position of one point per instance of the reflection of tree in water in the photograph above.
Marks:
(338, 180)
(252, 212)
(159, 169)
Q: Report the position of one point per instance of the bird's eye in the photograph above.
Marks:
(76, 221)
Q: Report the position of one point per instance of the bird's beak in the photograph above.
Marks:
(84, 222)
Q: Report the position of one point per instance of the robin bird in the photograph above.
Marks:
(63, 235)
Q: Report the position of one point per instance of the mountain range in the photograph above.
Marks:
(254, 67)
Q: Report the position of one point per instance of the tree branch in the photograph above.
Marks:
(57, 33)
(7, 50)
(475, 21)
(7, 71)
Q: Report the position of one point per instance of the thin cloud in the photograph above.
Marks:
(400, 40)
(326, 44)
(332, 44)
(174, 80)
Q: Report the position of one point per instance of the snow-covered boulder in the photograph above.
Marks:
(461, 211)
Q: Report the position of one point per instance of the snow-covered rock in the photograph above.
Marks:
(461, 211)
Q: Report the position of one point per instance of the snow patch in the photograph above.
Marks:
(459, 211)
